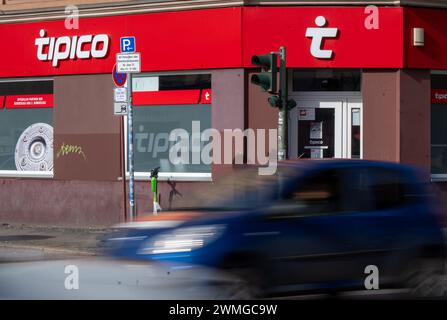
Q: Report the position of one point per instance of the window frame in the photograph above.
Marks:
(28, 174)
(311, 94)
(438, 177)
(165, 176)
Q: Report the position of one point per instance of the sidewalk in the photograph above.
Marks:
(24, 242)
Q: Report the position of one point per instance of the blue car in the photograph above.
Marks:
(315, 225)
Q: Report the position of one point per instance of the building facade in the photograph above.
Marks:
(370, 81)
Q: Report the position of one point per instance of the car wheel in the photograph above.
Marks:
(425, 279)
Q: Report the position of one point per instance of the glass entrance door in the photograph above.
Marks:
(315, 130)
(354, 127)
(321, 129)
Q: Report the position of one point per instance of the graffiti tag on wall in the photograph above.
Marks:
(67, 149)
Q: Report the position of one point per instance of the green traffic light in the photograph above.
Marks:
(267, 79)
(274, 101)
(263, 80)
(291, 104)
(264, 61)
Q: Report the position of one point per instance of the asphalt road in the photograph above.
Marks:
(42, 274)
(98, 278)
(33, 262)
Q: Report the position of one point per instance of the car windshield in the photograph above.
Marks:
(242, 189)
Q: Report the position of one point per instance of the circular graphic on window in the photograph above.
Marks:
(34, 149)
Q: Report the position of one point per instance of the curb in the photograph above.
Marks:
(48, 250)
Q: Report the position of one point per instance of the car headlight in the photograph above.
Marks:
(182, 239)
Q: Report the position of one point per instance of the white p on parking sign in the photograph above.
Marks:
(127, 44)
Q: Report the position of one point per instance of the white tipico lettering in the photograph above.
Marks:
(41, 43)
(100, 53)
(58, 53)
(83, 54)
(57, 49)
(317, 35)
(51, 49)
(73, 47)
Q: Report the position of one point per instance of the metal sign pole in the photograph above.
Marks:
(123, 166)
(128, 61)
(130, 150)
(282, 115)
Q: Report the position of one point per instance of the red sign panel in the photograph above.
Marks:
(29, 101)
(166, 97)
(206, 96)
(174, 97)
(166, 39)
(439, 96)
(433, 55)
(2, 100)
(339, 32)
(195, 39)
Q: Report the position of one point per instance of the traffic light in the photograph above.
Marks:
(267, 79)
(291, 103)
(274, 101)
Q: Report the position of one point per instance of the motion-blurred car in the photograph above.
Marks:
(314, 225)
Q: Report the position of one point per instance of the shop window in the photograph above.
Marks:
(438, 125)
(165, 103)
(326, 79)
(26, 127)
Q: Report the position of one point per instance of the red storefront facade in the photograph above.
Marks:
(371, 84)
(192, 40)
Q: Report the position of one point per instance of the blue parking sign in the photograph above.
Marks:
(127, 44)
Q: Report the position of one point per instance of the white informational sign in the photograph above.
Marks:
(316, 130)
(145, 84)
(120, 94)
(316, 153)
(128, 63)
(355, 117)
(120, 108)
(306, 114)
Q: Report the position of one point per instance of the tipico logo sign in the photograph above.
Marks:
(318, 35)
(76, 47)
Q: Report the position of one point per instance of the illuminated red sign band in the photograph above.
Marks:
(206, 96)
(172, 97)
(439, 96)
(166, 97)
(315, 37)
(29, 101)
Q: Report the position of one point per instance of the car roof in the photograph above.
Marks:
(337, 163)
